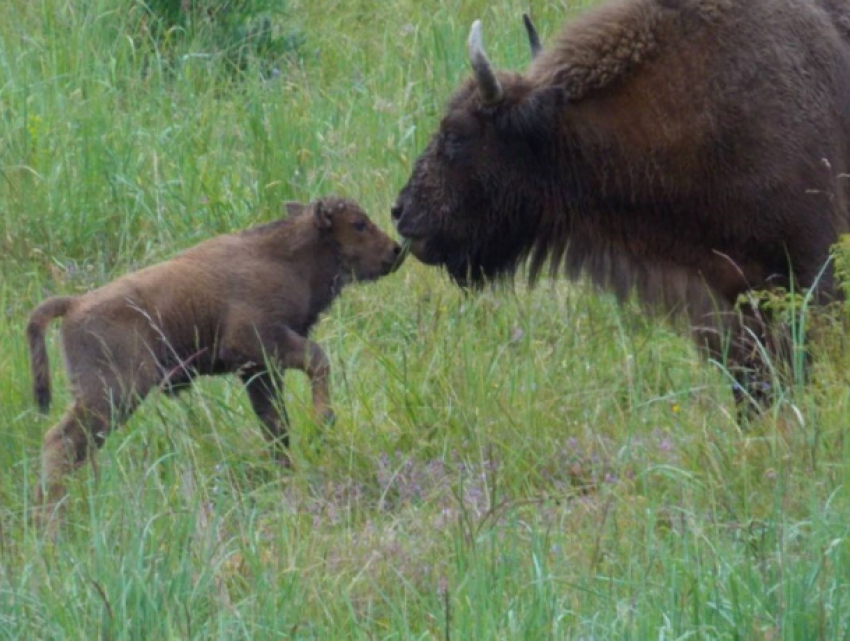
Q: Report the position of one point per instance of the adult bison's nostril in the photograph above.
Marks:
(396, 211)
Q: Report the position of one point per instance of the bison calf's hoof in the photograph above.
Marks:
(283, 460)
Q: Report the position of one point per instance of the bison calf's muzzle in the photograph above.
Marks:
(242, 303)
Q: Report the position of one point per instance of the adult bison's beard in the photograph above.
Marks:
(480, 256)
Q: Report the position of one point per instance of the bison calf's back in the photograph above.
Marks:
(241, 303)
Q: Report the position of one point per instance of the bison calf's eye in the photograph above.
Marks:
(360, 225)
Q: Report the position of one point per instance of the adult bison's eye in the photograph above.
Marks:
(452, 143)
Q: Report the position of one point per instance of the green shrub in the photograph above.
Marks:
(250, 34)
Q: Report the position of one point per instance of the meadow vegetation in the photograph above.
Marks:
(516, 464)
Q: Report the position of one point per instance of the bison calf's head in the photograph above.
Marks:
(363, 250)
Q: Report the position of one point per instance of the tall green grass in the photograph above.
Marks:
(511, 465)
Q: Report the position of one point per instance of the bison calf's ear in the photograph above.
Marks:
(293, 208)
(323, 216)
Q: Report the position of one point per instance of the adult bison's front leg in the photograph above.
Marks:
(759, 352)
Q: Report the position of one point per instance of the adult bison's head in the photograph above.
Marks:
(474, 199)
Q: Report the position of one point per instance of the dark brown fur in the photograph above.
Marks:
(230, 304)
(687, 150)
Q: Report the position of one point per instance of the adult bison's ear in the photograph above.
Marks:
(293, 208)
(537, 117)
(323, 216)
(489, 86)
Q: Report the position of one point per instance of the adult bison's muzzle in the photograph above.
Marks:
(403, 224)
(414, 238)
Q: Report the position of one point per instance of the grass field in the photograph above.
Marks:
(511, 465)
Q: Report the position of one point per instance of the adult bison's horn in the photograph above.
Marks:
(533, 38)
(488, 84)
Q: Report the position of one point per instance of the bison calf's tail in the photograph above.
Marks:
(40, 317)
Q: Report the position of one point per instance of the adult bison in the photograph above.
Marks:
(689, 151)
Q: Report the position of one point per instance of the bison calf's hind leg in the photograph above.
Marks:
(80, 432)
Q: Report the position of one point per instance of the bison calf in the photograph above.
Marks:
(234, 303)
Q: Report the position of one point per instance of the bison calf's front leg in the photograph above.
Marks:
(265, 390)
(261, 354)
(302, 353)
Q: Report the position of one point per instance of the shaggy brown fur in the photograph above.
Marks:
(687, 150)
(230, 304)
